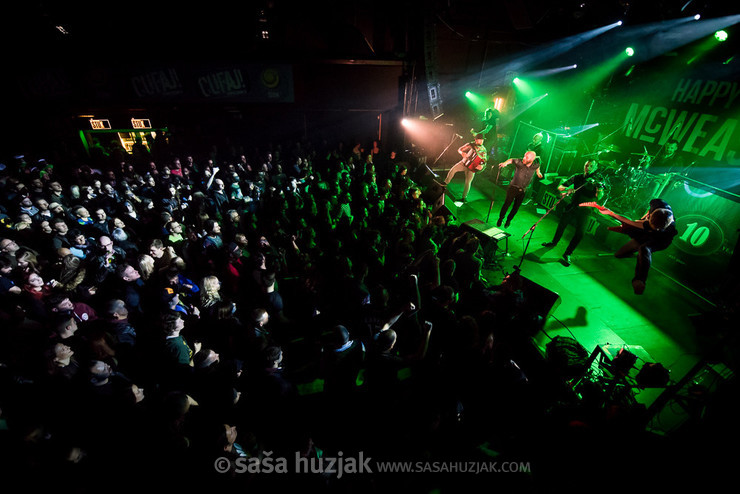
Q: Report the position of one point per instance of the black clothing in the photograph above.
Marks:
(646, 241)
(667, 164)
(517, 187)
(523, 174)
(585, 190)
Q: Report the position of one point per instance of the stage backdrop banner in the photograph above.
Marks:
(707, 220)
(698, 107)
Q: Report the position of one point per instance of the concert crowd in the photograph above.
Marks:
(164, 309)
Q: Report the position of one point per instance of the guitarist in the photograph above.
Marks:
(581, 187)
(651, 233)
(489, 130)
(473, 160)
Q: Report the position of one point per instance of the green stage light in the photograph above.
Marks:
(629, 51)
(515, 80)
(468, 94)
(720, 35)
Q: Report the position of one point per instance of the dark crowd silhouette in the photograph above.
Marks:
(163, 310)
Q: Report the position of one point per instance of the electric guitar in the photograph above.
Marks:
(608, 212)
(602, 209)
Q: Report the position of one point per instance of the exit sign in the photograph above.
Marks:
(99, 124)
(141, 123)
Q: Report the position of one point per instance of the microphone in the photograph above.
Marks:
(458, 136)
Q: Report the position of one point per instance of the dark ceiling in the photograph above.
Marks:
(90, 32)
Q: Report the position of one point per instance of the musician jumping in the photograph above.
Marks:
(651, 233)
(583, 187)
(473, 160)
(525, 169)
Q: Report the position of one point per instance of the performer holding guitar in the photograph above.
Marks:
(651, 233)
(583, 187)
(489, 130)
(473, 160)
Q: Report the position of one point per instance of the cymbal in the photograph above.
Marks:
(612, 148)
(643, 154)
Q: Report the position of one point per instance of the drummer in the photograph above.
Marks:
(668, 160)
(610, 158)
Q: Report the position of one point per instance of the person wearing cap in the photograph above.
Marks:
(57, 210)
(473, 160)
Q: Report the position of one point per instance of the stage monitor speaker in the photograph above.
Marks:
(488, 236)
(444, 206)
(431, 191)
(542, 301)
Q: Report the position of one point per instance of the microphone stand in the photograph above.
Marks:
(445, 149)
(493, 196)
(609, 135)
(530, 232)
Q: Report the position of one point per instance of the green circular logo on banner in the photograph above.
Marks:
(270, 78)
(698, 235)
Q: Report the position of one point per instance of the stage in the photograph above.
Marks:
(597, 305)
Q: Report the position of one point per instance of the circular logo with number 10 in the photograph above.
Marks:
(698, 235)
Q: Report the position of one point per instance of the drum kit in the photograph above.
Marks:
(628, 185)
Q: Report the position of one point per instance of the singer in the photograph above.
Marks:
(473, 160)
(526, 168)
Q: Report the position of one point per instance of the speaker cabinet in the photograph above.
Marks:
(489, 236)
(540, 300)
(444, 206)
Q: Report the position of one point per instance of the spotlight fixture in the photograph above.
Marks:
(629, 51)
(720, 35)
(697, 17)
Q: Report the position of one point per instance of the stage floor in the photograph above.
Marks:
(597, 304)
